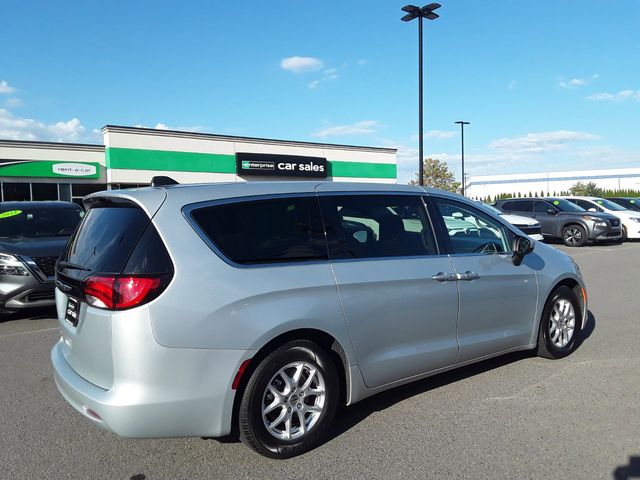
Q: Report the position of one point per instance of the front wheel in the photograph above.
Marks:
(290, 400)
(574, 236)
(560, 324)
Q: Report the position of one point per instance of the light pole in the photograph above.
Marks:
(462, 124)
(416, 12)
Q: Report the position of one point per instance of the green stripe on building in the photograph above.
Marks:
(163, 160)
(361, 169)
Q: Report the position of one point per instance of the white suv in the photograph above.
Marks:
(630, 219)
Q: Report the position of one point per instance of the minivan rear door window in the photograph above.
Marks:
(369, 226)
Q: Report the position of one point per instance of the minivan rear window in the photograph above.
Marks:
(106, 238)
(265, 231)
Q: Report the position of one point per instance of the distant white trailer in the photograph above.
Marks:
(551, 183)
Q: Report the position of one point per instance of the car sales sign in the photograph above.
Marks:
(280, 165)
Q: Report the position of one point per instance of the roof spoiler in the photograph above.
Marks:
(161, 181)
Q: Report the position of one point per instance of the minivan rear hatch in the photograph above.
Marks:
(114, 261)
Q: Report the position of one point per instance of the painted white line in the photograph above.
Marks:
(28, 332)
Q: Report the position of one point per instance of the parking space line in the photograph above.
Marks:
(28, 332)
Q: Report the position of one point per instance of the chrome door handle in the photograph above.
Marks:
(468, 276)
(445, 277)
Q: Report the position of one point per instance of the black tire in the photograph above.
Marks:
(625, 236)
(574, 236)
(253, 431)
(546, 347)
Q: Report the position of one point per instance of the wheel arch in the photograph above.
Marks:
(576, 287)
(325, 340)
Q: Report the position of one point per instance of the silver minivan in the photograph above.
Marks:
(258, 308)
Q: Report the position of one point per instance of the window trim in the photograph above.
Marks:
(444, 233)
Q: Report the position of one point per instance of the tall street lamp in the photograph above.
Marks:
(420, 13)
(462, 124)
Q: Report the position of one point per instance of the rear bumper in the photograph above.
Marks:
(194, 400)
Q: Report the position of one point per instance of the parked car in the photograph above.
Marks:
(562, 219)
(528, 225)
(32, 236)
(258, 307)
(630, 203)
(630, 219)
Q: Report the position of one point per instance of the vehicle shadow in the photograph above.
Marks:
(627, 472)
(588, 329)
(348, 417)
(31, 314)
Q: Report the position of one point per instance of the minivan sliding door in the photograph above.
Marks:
(400, 305)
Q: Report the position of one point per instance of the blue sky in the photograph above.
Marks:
(553, 85)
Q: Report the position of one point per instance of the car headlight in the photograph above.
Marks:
(596, 220)
(11, 265)
(635, 219)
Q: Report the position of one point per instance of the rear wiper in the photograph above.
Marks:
(73, 266)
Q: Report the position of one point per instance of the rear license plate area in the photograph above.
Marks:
(73, 309)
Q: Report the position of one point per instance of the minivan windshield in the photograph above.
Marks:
(608, 204)
(565, 205)
(38, 222)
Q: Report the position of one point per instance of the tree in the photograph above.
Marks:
(438, 175)
(586, 189)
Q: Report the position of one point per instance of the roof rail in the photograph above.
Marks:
(161, 180)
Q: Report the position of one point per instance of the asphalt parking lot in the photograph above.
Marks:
(514, 417)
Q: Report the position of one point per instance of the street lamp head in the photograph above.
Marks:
(412, 12)
(416, 12)
(460, 122)
(427, 11)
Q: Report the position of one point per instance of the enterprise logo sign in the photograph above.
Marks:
(280, 165)
(258, 165)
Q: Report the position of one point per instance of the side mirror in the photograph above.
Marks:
(552, 211)
(522, 246)
(594, 210)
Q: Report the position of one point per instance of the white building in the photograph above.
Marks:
(131, 157)
(482, 186)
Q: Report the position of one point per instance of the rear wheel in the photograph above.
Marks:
(574, 236)
(290, 400)
(560, 324)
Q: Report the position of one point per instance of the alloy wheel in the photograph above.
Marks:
(293, 401)
(562, 323)
(573, 236)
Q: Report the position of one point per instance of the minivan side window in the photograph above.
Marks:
(265, 231)
(370, 226)
(472, 231)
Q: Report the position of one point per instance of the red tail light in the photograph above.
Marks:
(120, 292)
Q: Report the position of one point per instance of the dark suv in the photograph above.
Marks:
(562, 219)
(32, 236)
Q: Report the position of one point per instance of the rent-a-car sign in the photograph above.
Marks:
(280, 165)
